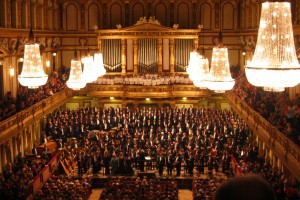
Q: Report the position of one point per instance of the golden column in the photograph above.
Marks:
(123, 59)
(196, 43)
(159, 52)
(172, 53)
(99, 45)
(135, 56)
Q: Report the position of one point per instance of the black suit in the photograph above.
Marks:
(34, 151)
(161, 163)
(169, 162)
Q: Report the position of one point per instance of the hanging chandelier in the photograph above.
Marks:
(75, 80)
(192, 63)
(198, 70)
(89, 73)
(198, 66)
(203, 70)
(274, 65)
(98, 64)
(32, 74)
(219, 77)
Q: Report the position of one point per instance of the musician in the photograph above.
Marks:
(191, 165)
(95, 163)
(177, 163)
(141, 160)
(60, 144)
(169, 163)
(106, 162)
(34, 150)
(128, 165)
(160, 163)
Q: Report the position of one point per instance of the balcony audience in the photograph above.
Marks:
(28, 97)
(276, 107)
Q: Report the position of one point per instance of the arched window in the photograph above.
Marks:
(93, 16)
(137, 12)
(183, 15)
(71, 17)
(161, 13)
(115, 15)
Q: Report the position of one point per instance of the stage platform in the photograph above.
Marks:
(184, 181)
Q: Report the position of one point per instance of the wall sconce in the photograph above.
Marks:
(54, 60)
(11, 72)
(47, 63)
(21, 59)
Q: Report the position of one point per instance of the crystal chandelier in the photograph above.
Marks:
(219, 78)
(200, 72)
(98, 64)
(75, 80)
(274, 65)
(32, 74)
(89, 73)
(198, 67)
(193, 62)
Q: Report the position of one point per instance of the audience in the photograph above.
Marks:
(28, 97)
(62, 187)
(205, 188)
(130, 189)
(15, 182)
(276, 107)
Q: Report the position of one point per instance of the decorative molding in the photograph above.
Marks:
(162, 91)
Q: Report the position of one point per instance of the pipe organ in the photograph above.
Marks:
(146, 47)
(182, 54)
(147, 55)
(112, 55)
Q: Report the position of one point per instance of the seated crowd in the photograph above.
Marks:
(28, 97)
(276, 107)
(15, 180)
(205, 188)
(62, 187)
(134, 189)
(144, 79)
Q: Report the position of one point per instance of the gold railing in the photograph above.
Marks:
(23, 119)
(282, 146)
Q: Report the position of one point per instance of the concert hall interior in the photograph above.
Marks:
(148, 99)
